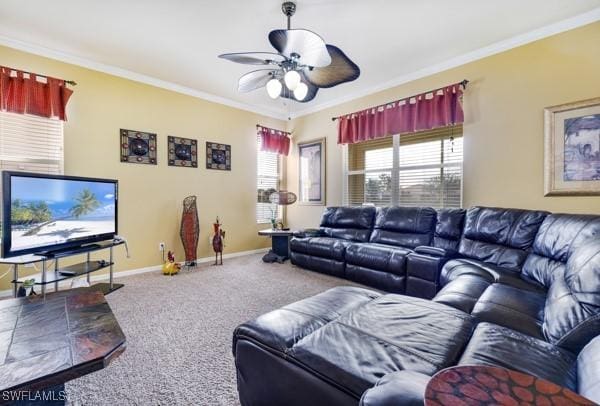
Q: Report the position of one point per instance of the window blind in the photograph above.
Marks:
(31, 143)
(267, 176)
(422, 169)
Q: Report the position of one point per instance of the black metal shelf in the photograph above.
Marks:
(80, 269)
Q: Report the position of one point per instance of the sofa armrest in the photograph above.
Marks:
(435, 251)
(308, 232)
(397, 388)
(423, 271)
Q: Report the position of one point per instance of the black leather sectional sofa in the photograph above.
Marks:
(512, 288)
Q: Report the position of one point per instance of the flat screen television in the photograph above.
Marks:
(44, 213)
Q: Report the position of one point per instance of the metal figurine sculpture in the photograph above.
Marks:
(190, 229)
(217, 241)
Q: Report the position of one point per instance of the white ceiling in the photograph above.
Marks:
(175, 43)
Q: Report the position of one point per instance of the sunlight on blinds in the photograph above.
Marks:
(30, 143)
(426, 172)
(267, 176)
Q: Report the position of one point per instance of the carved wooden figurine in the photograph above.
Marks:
(217, 242)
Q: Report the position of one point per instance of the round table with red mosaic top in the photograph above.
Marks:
(486, 385)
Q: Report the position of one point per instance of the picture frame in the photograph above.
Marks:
(572, 149)
(182, 152)
(311, 172)
(137, 147)
(218, 156)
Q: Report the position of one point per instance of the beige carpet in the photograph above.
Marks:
(179, 331)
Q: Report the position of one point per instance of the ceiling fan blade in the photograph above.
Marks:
(341, 70)
(254, 58)
(255, 80)
(309, 46)
(311, 94)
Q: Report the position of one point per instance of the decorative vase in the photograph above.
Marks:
(190, 229)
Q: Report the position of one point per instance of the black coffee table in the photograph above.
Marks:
(47, 342)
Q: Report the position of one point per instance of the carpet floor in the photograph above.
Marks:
(179, 331)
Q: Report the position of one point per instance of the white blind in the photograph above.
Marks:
(267, 182)
(422, 169)
(31, 143)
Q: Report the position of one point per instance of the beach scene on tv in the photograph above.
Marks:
(53, 211)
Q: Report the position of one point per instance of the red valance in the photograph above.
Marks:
(440, 108)
(28, 93)
(274, 140)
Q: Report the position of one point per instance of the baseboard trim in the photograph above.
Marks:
(130, 272)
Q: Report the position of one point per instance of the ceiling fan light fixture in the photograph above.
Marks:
(300, 91)
(292, 79)
(274, 88)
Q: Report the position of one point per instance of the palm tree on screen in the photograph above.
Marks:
(86, 202)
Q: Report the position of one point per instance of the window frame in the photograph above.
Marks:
(397, 167)
(277, 178)
(21, 159)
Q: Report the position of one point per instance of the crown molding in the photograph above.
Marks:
(137, 77)
(498, 47)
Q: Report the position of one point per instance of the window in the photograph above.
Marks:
(267, 182)
(31, 143)
(421, 169)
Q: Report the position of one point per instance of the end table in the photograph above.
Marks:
(280, 241)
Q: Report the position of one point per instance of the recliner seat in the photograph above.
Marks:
(326, 251)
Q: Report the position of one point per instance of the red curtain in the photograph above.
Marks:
(26, 94)
(274, 140)
(418, 113)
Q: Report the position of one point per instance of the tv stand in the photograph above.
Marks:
(62, 273)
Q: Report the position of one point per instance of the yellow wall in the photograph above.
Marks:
(504, 130)
(151, 196)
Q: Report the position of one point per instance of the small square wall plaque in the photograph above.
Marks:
(218, 156)
(183, 152)
(138, 147)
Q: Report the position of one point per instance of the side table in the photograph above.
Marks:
(487, 385)
(280, 241)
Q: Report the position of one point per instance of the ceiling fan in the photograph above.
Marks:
(302, 64)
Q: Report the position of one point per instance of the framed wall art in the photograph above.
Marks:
(572, 149)
(311, 170)
(218, 156)
(137, 147)
(183, 152)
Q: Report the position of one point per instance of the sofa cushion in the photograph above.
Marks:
(572, 311)
(378, 256)
(323, 247)
(466, 280)
(518, 309)
(406, 388)
(499, 236)
(455, 268)
(559, 236)
(404, 226)
(500, 346)
(390, 333)
(348, 223)
(448, 228)
(588, 365)
(282, 328)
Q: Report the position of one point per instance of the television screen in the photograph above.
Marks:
(51, 212)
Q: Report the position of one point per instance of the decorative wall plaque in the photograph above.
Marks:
(183, 152)
(218, 156)
(138, 147)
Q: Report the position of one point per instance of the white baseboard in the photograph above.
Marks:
(130, 272)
